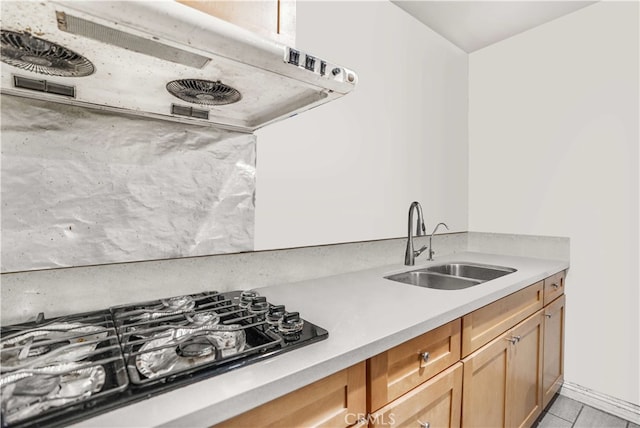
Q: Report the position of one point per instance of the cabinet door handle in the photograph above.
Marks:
(424, 357)
(423, 424)
(547, 315)
(513, 339)
(555, 286)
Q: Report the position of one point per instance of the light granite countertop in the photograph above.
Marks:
(364, 313)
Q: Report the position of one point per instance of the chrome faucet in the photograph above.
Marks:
(411, 254)
(431, 252)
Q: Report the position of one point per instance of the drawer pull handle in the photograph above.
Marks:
(424, 356)
(555, 286)
(547, 315)
(423, 424)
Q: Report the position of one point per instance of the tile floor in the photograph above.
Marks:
(564, 412)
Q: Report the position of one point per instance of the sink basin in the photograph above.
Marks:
(422, 278)
(451, 276)
(471, 270)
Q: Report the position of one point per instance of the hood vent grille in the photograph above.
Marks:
(44, 86)
(189, 111)
(204, 92)
(82, 27)
(30, 53)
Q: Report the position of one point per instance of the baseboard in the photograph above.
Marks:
(606, 403)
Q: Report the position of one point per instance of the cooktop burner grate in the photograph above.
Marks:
(165, 339)
(52, 368)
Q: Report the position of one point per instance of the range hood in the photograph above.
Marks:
(160, 59)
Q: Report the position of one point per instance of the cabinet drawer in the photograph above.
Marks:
(553, 287)
(488, 322)
(436, 403)
(334, 401)
(400, 369)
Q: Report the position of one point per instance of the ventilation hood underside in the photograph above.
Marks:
(165, 60)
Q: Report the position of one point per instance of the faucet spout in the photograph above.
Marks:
(411, 254)
(431, 251)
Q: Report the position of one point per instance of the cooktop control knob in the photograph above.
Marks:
(276, 312)
(246, 297)
(290, 323)
(259, 305)
(336, 71)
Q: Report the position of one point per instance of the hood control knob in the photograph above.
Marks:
(294, 57)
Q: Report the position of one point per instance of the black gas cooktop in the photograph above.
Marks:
(59, 371)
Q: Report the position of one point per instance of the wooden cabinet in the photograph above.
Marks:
(486, 323)
(502, 384)
(335, 401)
(273, 19)
(553, 365)
(400, 369)
(436, 403)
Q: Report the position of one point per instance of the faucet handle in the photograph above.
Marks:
(416, 253)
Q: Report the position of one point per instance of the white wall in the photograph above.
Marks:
(553, 150)
(348, 170)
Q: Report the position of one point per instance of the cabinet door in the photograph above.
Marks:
(553, 361)
(436, 403)
(274, 19)
(402, 368)
(336, 401)
(502, 383)
(484, 384)
(524, 384)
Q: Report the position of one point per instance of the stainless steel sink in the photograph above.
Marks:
(472, 270)
(451, 276)
(422, 278)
